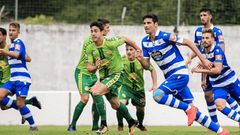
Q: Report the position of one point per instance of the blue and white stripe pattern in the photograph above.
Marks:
(227, 75)
(18, 68)
(165, 53)
(218, 36)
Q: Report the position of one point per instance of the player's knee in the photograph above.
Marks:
(208, 97)
(20, 104)
(85, 99)
(157, 95)
(220, 104)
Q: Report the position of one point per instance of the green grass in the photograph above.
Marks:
(85, 130)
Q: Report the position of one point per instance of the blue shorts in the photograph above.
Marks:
(177, 86)
(209, 86)
(233, 89)
(18, 88)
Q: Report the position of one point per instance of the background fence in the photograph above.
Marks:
(85, 11)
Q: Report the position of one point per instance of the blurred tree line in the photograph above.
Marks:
(85, 11)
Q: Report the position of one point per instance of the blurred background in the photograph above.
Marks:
(54, 30)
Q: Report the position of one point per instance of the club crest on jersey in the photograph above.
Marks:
(156, 55)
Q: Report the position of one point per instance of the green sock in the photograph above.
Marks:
(95, 117)
(122, 109)
(77, 112)
(101, 109)
(120, 119)
(140, 117)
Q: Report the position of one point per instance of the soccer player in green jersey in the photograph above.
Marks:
(95, 114)
(104, 51)
(84, 80)
(5, 76)
(133, 86)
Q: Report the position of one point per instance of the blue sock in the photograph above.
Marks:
(205, 121)
(232, 114)
(25, 112)
(169, 100)
(9, 103)
(212, 110)
(233, 104)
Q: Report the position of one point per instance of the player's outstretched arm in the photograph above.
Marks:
(217, 68)
(131, 43)
(191, 45)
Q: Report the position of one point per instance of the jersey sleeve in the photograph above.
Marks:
(195, 37)
(145, 51)
(20, 48)
(172, 38)
(219, 37)
(218, 55)
(117, 41)
(88, 55)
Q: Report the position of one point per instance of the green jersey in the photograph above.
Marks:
(84, 59)
(108, 53)
(4, 68)
(133, 74)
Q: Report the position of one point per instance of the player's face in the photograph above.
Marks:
(13, 32)
(149, 25)
(106, 29)
(2, 38)
(130, 51)
(207, 40)
(96, 33)
(205, 18)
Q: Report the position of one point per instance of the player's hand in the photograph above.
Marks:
(97, 63)
(139, 55)
(204, 84)
(195, 70)
(207, 64)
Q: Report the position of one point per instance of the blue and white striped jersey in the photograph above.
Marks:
(218, 36)
(18, 68)
(227, 75)
(165, 53)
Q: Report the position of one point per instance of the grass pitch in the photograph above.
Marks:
(85, 130)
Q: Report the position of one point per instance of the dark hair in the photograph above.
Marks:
(104, 21)
(3, 31)
(208, 31)
(15, 24)
(206, 10)
(97, 24)
(152, 16)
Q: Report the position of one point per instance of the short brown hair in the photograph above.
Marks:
(209, 31)
(15, 24)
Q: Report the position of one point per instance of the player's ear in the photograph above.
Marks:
(156, 24)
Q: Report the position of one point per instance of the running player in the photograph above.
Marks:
(161, 46)
(20, 79)
(222, 78)
(206, 17)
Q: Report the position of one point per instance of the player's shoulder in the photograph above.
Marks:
(198, 29)
(218, 49)
(113, 39)
(18, 41)
(217, 30)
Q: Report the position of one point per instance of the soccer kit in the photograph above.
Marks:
(133, 83)
(111, 66)
(165, 53)
(225, 82)
(218, 38)
(83, 78)
(169, 59)
(20, 79)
